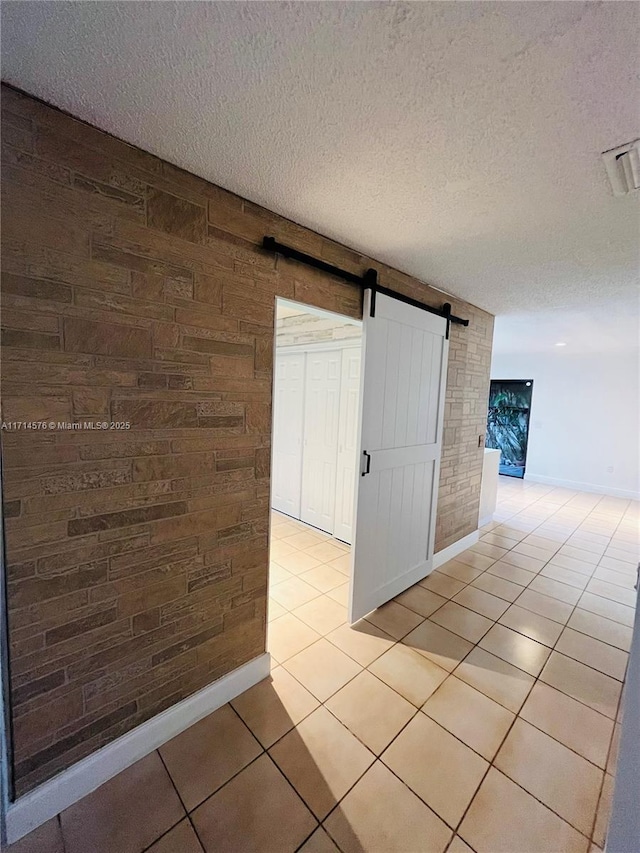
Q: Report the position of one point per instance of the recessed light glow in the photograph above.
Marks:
(561, 344)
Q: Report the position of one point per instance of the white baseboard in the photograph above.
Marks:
(50, 798)
(583, 487)
(484, 521)
(441, 557)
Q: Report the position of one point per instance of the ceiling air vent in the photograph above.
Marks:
(623, 167)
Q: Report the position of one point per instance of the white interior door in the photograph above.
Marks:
(347, 444)
(320, 451)
(403, 384)
(288, 412)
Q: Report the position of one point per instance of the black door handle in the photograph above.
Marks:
(368, 467)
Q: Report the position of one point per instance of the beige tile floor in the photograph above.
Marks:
(479, 711)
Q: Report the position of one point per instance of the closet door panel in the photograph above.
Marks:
(288, 418)
(320, 447)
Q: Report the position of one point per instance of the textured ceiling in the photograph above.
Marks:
(459, 142)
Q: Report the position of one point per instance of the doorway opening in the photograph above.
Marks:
(316, 403)
(350, 472)
(508, 423)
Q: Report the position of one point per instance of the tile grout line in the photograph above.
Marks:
(495, 621)
(293, 728)
(613, 732)
(576, 606)
(167, 831)
(378, 758)
(263, 752)
(491, 764)
(195, 831)
(182, 803)
(517, 716)
(64, 842)
(604, 772)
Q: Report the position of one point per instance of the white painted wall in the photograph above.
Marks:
(585, 417)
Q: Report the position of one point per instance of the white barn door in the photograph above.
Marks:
(403, 385)
(288, 412)
(321, 410)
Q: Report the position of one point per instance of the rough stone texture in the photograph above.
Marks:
(137, 558)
